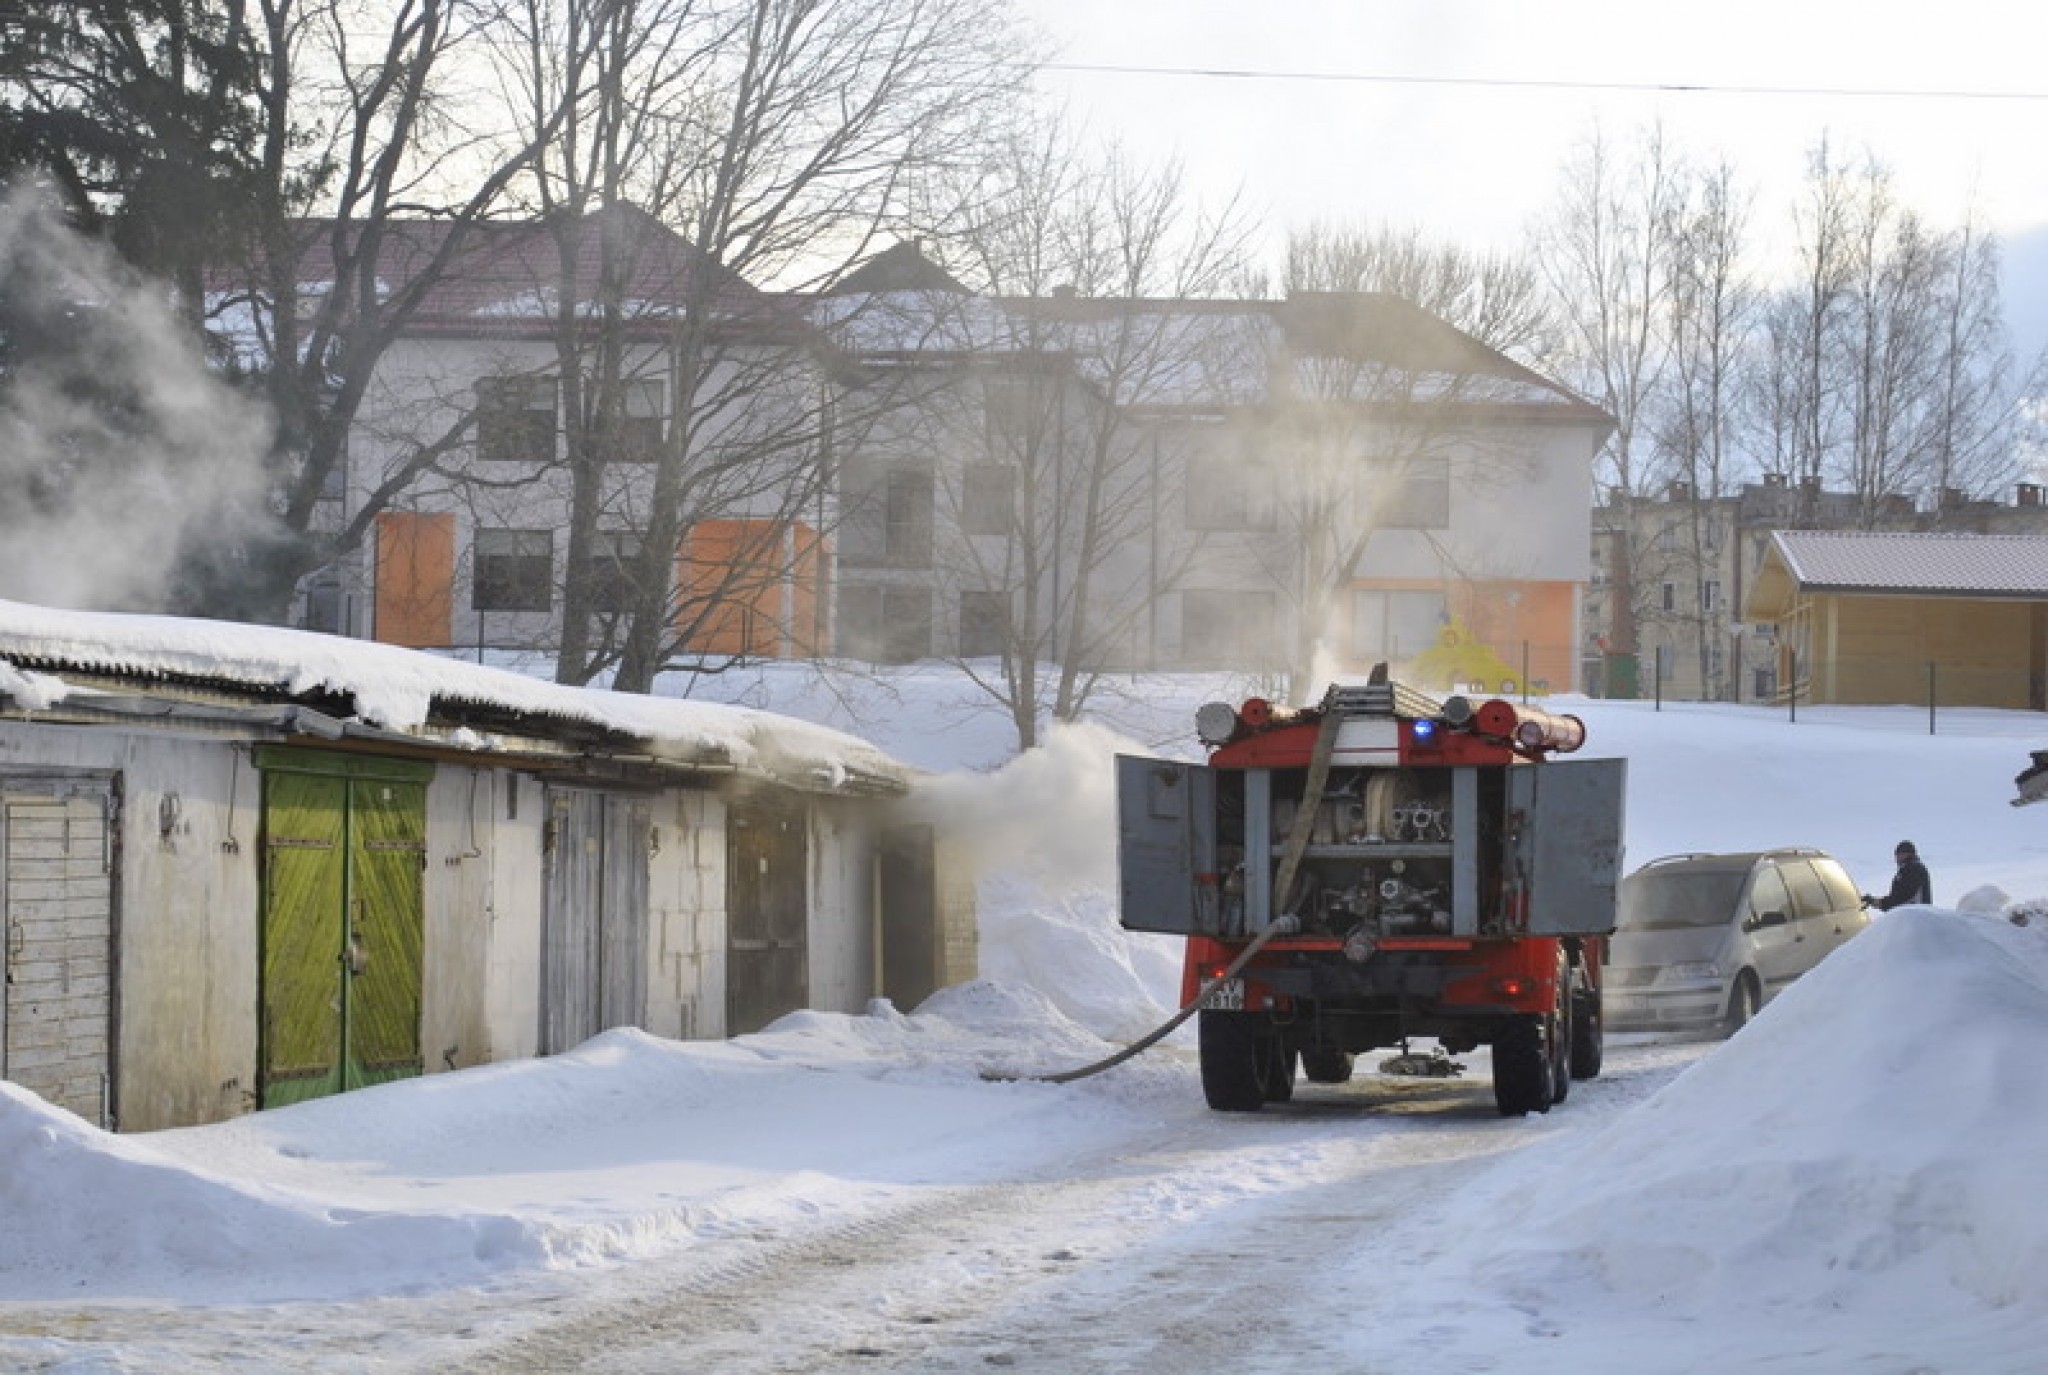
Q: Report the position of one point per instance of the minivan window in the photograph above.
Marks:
(1768, 894)
(1809, 899)
(1672, 899)
(1842, 895)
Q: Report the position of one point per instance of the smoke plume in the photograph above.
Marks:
(121, 451)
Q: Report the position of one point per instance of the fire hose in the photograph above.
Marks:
(1285, 924)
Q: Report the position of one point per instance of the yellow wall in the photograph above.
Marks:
(1873, 650)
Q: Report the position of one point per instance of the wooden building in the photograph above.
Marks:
(1907, 617)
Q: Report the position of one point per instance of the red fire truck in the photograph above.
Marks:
(1380, 867)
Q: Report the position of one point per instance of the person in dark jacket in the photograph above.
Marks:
(1909, 885)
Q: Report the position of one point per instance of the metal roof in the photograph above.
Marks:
(1915, 562)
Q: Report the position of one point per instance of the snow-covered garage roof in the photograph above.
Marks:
(413, 693)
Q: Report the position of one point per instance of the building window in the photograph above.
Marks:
(988, 498)
(1395, 626)
(1668, 598)
(514, 570)
(886, 521)
(607, 571)
(1710, 594)
(907, 539)
(984, 624)
(515, 419)
(636, 430)
(1418, 496)
(1667, 536)
(1227, 630)
(885, 625)
(323, 602)
(1224, 492)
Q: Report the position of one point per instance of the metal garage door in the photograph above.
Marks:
(594, 923)
(767, 962)
(57, 913)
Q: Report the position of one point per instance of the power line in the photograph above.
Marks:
(1638, 87)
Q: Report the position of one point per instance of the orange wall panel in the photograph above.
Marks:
(749, 587)
(415, 598)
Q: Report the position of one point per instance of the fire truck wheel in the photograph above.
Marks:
(1279, 1068)
(1521, 1067)
(1236, 1063)
(1557, 1034)
(1589, 1035)
(1320, 1065)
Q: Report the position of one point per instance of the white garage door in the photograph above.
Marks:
(56, 909)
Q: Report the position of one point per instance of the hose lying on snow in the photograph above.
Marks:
(1279, 927)
(1285, 924)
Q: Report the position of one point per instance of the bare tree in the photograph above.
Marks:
(1098, 269)
(1606, 250)
(1496, 298)
(368, 126)
(777, 137)
(1899, 378)
(1713, 318)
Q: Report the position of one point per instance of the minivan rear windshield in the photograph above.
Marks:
(1674, 899)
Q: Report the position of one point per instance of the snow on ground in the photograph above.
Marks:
(1857, 1173)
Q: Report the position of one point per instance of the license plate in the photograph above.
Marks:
(1226, 996)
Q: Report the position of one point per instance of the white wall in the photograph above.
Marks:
(187, 899)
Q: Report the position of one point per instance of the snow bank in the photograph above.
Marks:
(1866, 1146)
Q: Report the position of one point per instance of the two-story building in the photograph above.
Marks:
(905, 469)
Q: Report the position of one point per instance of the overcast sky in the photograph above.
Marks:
(1453, 115)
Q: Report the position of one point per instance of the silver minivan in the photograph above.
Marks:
(1706, 940)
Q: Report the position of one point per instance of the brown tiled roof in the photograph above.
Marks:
(507, 278)
(1914, 562)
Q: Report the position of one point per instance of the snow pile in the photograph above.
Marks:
(1042, 831)
(89, 1214)
(1868, 1146)
(626, 1146)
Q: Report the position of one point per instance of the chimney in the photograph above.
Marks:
(1953, 498)
(1774, 480)
(1809, 484)
(2029, 494)
(1679, 491)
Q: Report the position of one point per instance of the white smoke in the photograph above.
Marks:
(95, 513)
(1050, 812)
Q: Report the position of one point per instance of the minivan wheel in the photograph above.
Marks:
(1742, 1004)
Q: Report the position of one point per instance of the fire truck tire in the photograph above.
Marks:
(1321, 1065)
(1280, 1066)
(1589, 1035)
(1558, 1037)
(1521, 1067)
(1236, 1061)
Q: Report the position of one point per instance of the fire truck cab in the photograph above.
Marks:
(1444, 878)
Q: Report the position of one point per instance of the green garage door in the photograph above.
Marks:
(343, 922)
